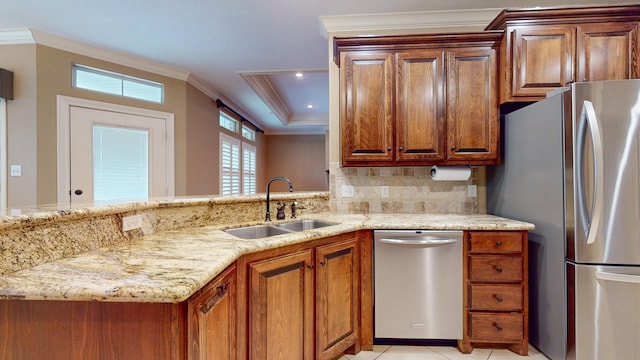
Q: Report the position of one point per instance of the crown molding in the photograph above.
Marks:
(16, 36)
(264, 88)
(203, 87)
(32, 36)
(313, 119)
(420, 21)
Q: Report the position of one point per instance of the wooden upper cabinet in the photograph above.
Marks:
(420, 106)
(543, 58)
(407, 100)
(607, 51)
(472, 105)
(548, 48)
(366, 88)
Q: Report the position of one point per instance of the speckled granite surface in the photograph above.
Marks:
(42, 235)
(171, 265)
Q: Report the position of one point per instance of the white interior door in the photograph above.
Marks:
(116, 157)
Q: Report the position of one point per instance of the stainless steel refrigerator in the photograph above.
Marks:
(571, 166)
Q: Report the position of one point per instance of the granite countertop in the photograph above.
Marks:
(170, 266)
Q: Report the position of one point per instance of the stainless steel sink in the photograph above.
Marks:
(263, 231)
(257, 231)
(303, 225)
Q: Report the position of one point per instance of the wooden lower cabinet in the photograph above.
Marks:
(212, 316)
(337, 298)
(495, 290)
(303, 301)
(281, 307)
(67, 330)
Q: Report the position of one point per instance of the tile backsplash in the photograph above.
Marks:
(406, 190)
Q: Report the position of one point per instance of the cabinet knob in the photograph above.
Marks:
(497, 297)
(309, 266)
(498, 327)
(389, 148)
(401, 148)
(498, 243)
(453, 147)
(322, 263)
(498, 269)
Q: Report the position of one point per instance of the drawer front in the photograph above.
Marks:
(496, 327)
(495, 268)
(495, 242)
(496, 297)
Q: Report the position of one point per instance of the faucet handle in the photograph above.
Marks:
(280, 215)
(293, 209)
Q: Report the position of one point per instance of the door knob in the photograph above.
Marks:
(78, 192)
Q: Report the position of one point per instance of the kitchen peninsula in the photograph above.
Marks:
(130, 294)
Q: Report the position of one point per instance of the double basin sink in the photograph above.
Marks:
(263, 231)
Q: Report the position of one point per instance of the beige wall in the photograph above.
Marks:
(21, 123)
(301, 158)
(203, 146)
(41, 73)
(54, 78)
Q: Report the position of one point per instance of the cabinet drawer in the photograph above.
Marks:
(496, 297)
(495, 268)
(496, 327)
(495, 242)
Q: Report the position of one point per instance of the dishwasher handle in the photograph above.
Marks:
(425, 241)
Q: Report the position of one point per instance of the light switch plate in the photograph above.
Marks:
(131, 222)
(16, 170)
(472, 191)
(384, 191)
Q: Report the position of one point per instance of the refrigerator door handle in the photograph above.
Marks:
(590, 225)
(625, 278)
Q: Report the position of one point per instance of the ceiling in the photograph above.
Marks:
(244, 51)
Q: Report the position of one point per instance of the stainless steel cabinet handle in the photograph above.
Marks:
(428, 241)
(625, 278)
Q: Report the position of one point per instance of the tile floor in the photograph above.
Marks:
(397, 352)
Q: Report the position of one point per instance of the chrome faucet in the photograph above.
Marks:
(268, 215)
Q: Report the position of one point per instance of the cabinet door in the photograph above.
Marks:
(281, 307)
(337, 298)
(420, 106)
(212, 319)
(366, 113)
(543, 58)
(606, 51)
(472, 106)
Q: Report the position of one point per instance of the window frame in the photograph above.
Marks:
(116, 76)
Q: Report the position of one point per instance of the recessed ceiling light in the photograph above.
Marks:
(299, 74)
(310, 106)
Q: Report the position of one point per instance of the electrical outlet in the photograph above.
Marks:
(131, 222)
(348, 191)
(472, 191)
(384, 191)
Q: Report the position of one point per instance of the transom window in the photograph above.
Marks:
(88, 78)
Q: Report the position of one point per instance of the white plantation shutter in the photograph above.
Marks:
(248, 169)
(229, 165)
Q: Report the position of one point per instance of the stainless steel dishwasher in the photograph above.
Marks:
(417, 286)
